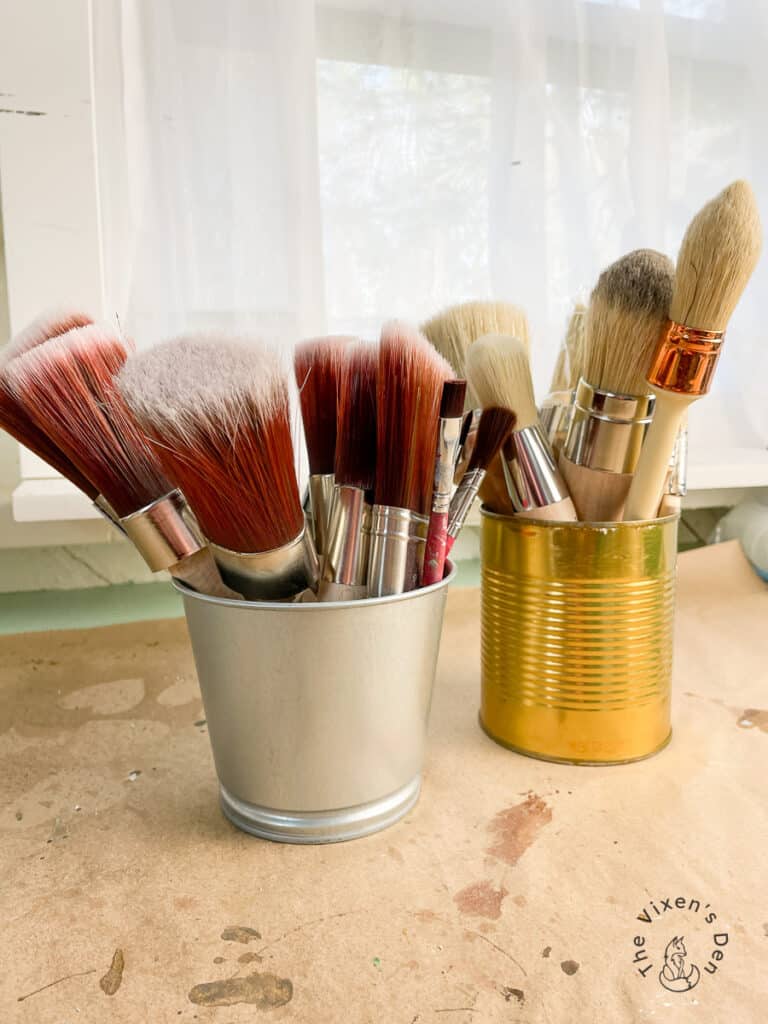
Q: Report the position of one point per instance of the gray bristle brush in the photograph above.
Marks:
(613, 405)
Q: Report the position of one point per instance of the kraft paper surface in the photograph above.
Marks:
(515, 891)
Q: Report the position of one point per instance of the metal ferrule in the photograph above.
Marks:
(271, 575)
(685, 359)
(448, 437)
(321, 499)
(465, 450)
(555, 416)
(531, 473)
(607, 429)
(678, 477)
(104, 508)
(349, 536)
(164, 532)
(398, 538)
(462, 500)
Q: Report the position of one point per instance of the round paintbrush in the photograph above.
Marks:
(500, 374)
(408, 392)
(456, 328)
(613, 406)
(557, 408)
(345, 567)
(448, 442)
(719, 252)
(67, 386)
(316, 364)
(217, 410)
(492, 431)
(16, 420)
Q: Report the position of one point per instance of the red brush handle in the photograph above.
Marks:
(449, 542)
(436, 549)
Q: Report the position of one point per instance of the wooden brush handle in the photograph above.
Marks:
(435, 549)
(560, 512)
(648, 483)
(200, 572)
(598, 496)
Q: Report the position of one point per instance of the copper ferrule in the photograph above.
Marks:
(104, 508)
(164, 532)
(531, 473)
(685, 359)
(448, 437)
(320, 500)
(271, 575)
(464, 453)
(462, 500)
(555, 416)
(398, 539)
(607, 429)
(349, 537)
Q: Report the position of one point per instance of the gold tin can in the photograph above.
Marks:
(577, 624)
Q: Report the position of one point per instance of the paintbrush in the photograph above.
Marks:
(719, 252)
(345, 567)
(217, 412)
(613, 405)
(455, 329)
(408, 391)
(316, 365)
(494, 427)
(499, 372)
(557, 408)
(17, 421)
(67, 387)
(448, 441)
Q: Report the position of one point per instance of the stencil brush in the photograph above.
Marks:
(448, 440)
(217, 412)
(408, 392)
(345, 568)
(493, 429)
(316, 365)
(67, 386)
(455, 329)
(719, 252)
(499, 372)
(613, 405)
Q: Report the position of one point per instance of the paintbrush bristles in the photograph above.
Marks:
(355, 463)
(494, 428)
(567, 371)
(408, 393)
(316, 364)
(68, 387)
(452, 400)
(628, 308)
(217, 410)
(499, 373)
(50, 324)
(718, 254)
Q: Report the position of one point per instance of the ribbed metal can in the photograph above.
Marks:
(577, 623)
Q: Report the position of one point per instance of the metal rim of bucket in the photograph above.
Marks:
(552, 524)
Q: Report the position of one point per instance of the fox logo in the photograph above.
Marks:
(674, 976)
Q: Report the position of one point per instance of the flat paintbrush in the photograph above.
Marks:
(448, 440)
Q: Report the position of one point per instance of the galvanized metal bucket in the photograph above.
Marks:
(577, 624)
(317, 713)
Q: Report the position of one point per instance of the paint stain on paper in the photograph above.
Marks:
(480, 899)
(516, 828)
(249, 958)
(753, 718)
(513, 993)
(569, 966)
(239, 933)
(113, 979)
(546, 951)
(264, 991)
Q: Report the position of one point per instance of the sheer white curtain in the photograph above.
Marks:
(297, 167)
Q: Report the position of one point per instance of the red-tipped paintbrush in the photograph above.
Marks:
(345, 568)
(408, 392)
(448, 441)
(67, 387)
(217, 411)
(316, 364)
(494, 428)
(13, 416)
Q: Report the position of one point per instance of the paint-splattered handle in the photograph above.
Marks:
(436, 549)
